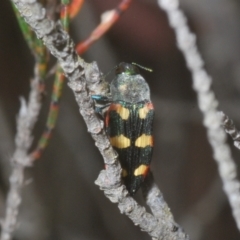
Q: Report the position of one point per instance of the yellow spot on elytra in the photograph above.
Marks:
(124, 172)
(141, 170)
(123, 112)
(120, 141)
(143, 112)
(144, 141)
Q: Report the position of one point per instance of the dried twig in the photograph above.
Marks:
(85, 78)
(26, 120)
(207, 103)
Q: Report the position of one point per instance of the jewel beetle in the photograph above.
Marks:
(129, 123)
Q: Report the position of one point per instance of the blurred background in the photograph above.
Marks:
(60, 199)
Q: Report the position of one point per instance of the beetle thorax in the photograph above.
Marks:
(129, 88)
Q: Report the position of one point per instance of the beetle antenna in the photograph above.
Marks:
(105, 75)
(145, 68)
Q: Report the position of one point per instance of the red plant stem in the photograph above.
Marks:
(103, 27)
(75, 7)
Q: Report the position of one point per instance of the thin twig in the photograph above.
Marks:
(26, 120)
(108, 19)
(207, 103)
(74, 7)
(83, 79)
(56, 93)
